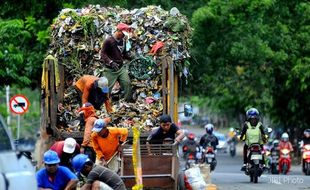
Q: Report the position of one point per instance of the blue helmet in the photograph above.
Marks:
(79, 161)
(51, 157)
(252, 113)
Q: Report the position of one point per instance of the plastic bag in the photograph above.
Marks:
(195, 179)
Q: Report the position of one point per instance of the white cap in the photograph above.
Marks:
(69, 145)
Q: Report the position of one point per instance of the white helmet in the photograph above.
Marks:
(209, 128)
(284, 137)
(103, 84)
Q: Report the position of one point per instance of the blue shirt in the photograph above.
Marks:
(63, 176)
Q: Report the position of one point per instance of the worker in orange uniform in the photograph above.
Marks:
(90, 117)
(107, 143)
(95, 91)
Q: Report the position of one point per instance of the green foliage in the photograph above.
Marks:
(254, 53)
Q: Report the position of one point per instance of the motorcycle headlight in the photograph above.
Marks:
(307, 147)
(285, 151)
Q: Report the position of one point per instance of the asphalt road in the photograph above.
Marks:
(227, 175)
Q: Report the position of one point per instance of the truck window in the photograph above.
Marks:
(5, 142)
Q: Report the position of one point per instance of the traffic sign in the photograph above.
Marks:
(19, 104)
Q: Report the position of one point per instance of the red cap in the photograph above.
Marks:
(123, 27)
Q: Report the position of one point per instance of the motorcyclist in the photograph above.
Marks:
(252, 132)
(305, 141)
(275, 145)
(190, 145)
(231, 136)
(285, 143)
(306, 137)
(209, 137)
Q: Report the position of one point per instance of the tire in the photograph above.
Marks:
(255, 179)
(255, 174)
(284, 169)
(251, 178)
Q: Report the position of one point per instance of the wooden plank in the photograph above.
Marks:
(164, 83)
(162, 183)
(153, 164)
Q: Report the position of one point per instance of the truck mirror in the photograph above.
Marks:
(188, 110)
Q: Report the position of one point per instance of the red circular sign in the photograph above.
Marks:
(19, 104)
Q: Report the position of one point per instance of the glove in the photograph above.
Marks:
(114, 66)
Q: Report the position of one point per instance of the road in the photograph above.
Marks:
(227, 175)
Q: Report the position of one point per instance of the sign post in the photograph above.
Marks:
(19, 104)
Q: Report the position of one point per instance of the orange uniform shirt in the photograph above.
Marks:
(106, 147)
(84, 84)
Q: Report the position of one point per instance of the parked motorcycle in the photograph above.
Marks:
(306, 159)
(284, 161)
(209, 157)
(254, 166)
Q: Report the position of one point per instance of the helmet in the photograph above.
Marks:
(209, 128)
(103, 84)
(252, 113)
(51, 157)
(78, 162)
(231, 129)
(275, 143)
(307, 133)
(191, 136)
(284, 137)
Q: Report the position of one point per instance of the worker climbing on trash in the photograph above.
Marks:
(89, 115)
(95, 91)
(107, 143)
(97, 177)
(114, 51)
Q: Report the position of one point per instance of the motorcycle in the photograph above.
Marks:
(274, 161)
(209, 157)
(306, 159)
(254, 167)
(284, 161)
(232, 147)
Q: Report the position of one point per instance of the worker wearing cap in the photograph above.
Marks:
(113, 53)
(54, 176)
(90, 117)
(95, 91)
(66, 150)
(107, 142)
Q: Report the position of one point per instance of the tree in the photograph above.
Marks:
(248, 53)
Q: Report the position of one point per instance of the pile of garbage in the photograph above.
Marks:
(78, 34)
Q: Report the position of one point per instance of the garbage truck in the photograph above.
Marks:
(76, 38)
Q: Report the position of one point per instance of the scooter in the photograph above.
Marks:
(274, 161)
(209, 157)
(232, 147)
(254, 167)
(284, 161)
(306, 159)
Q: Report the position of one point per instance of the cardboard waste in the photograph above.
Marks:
(77, 36)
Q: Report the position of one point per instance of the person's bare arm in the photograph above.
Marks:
(180, 136)
(72, 184)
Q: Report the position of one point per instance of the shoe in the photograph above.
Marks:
(243, 167)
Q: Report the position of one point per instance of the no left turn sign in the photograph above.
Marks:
(19, 104)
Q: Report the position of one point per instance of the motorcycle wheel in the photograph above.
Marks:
(255, 175)
(181, 184)
(251, 178)
(284, 169)
(232, 153)
(308, 169)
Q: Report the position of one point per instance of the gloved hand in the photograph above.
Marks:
(114, 66)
